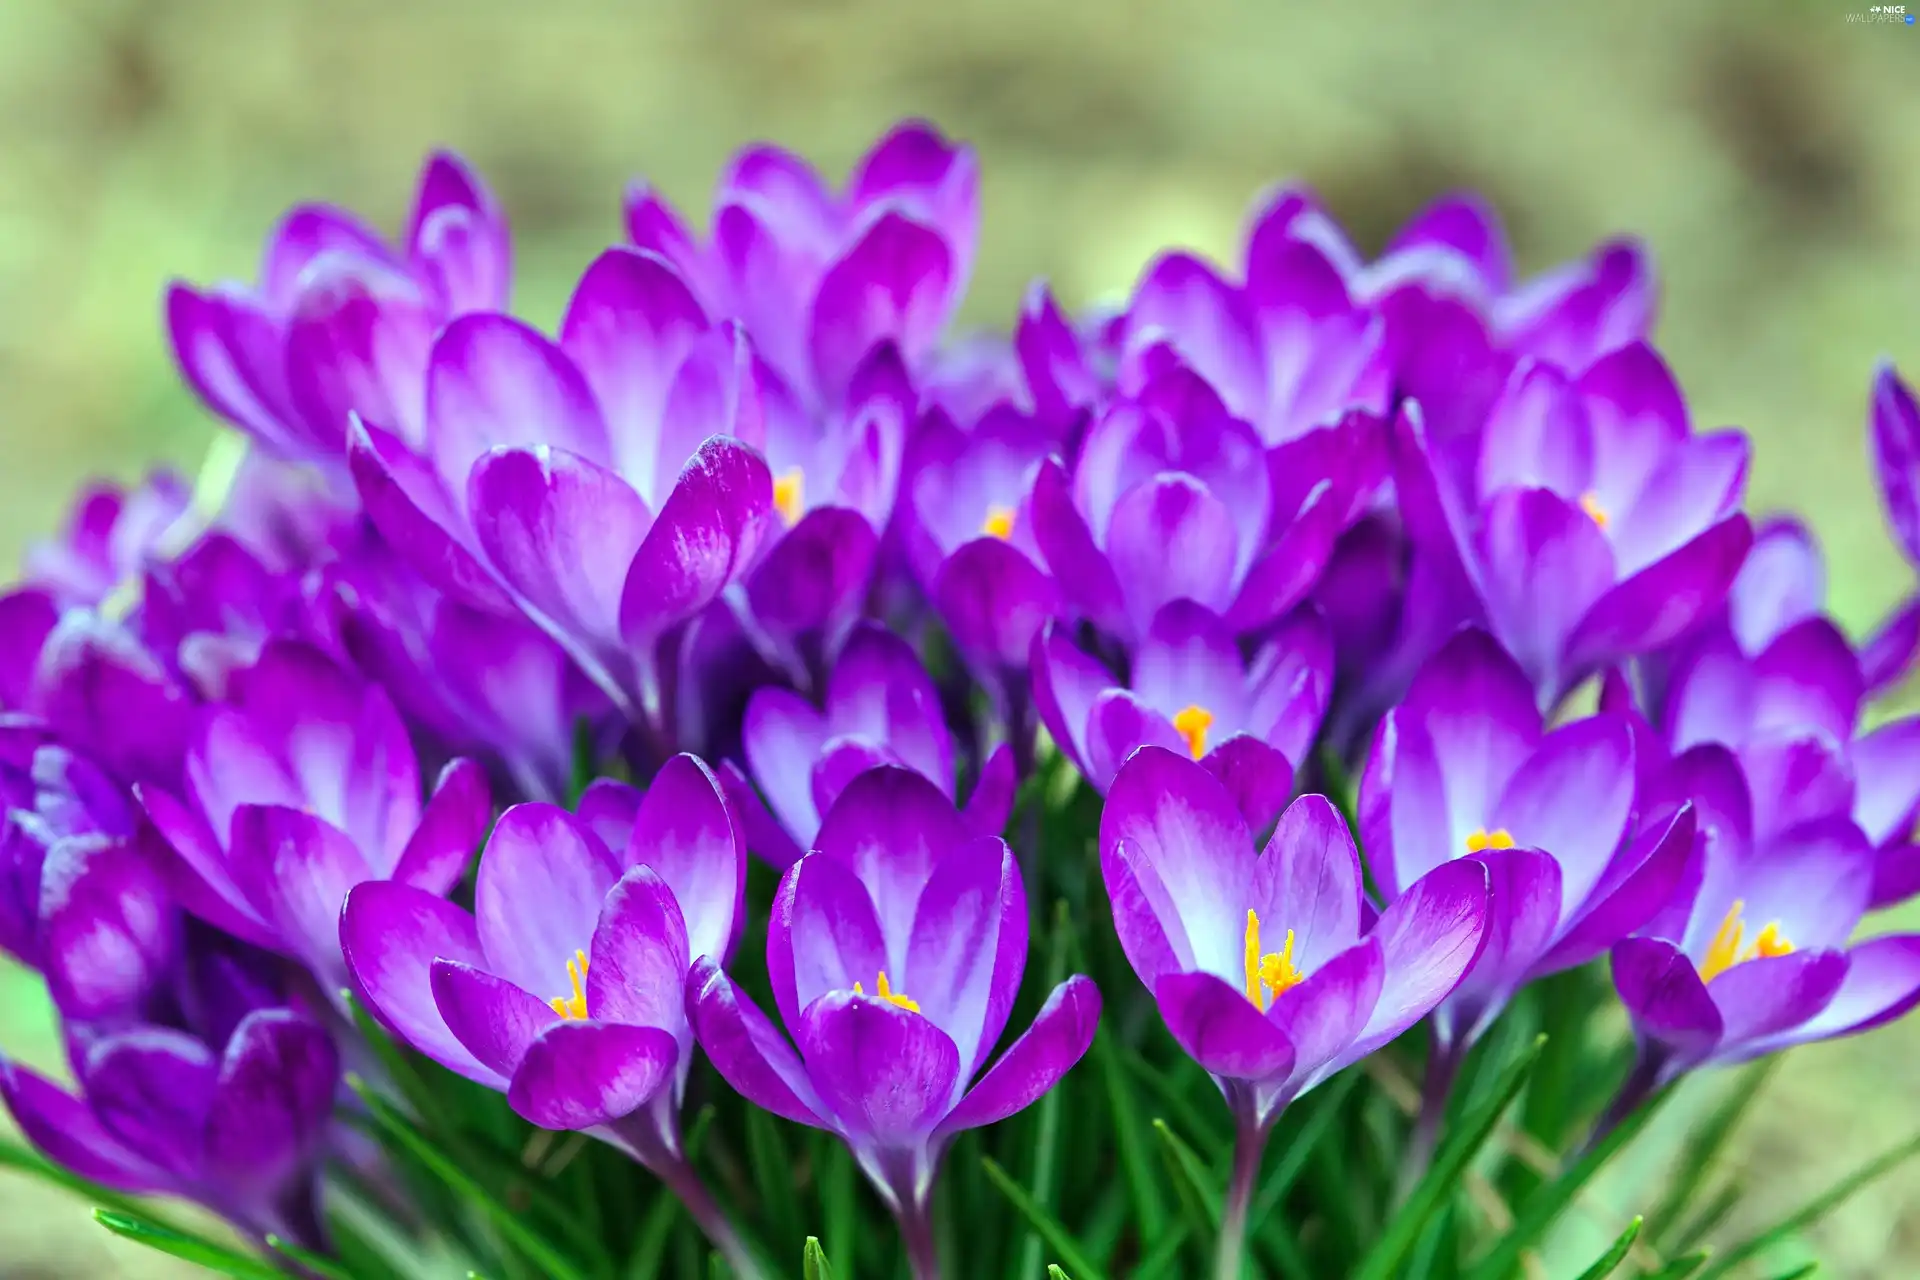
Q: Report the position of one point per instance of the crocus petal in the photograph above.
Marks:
(1118, 724)
(198, 872)
(1221, 1029)
(411, 506)
(1172, 539)
(1886, 766)
(450, 830)
(708, 531)
(891, 286)
(273, 1100)
(1152, 935)
(358, 343)
(686, 832)
(816, 576)
(1665, 997)
(541, 884)
(638, 969)
(991, 803)
(298, 870)
(67, 1131)
(390, 935)
(107, 929)
(1663, 601)
(995, 601)
(1066, 681)
(1767, 995)
(1324, 1016)
(578, 1075)
(1183, 824)
(459, 236)
(1782, 582)
(492, 1018)
(494, 382)
(1546, 564)
(892, 826)
(609, 807)
(1573, 798)
(1060, 1036)
(967, 949)
(1259, 778)
(152, 1089)
(1307, 881)
(745, 1048)
(1429, 937)
(880, 690)
(1888, 653)
(1894, 431)
(1882, 983)
(1182, 298)
(562, 532)
(781, 737)
(887, 1073)
(1062, 535)
(1523, 914)
(1537, 435)
(214, 336)
(826, 937)
(1628, 896)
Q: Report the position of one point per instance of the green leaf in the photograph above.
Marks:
(772, 1174)
(1269, 1222)
(1055, 1273)
(813, 1261)
(205, 1253)
(1608, 1262)
(1799, 1273)
(1159, 1260)
(1705, 1142)
(326, 1268)
(837, 1195)
(650, 1245)
(1682, 1267)
(15, 1156)
(1190, 1177)
(1056, 1235)
(1167, 1094)
(512, 1226)
(1708, 1220)
(1047, 1115)
(1815, 1209)
(1142, 1185)
(1457, 1152)
(1546, 1204)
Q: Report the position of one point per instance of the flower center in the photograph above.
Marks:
(790, 495)
(999, 523)
(1726, 949)
(1483, 839)
(885, 991)
(1271, 975)
(1595, 512)
(573, 1007)
(1192, 723)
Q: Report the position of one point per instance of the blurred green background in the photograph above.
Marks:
(1769, 152)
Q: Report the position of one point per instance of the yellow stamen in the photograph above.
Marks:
(1595, 512)
(885, 991)
(790, 495)
(574, 1006)
(1725, 951)
(1271, 975)
(1192, 724)
(999, 523)
(1483, 839)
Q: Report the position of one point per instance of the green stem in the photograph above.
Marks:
(1249, 1144)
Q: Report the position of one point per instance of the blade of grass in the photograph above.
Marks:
(205, 1253)
(510, 1224)
(1682, 1267)
(1403, 1231)
(1149, 1209)
(1167, 1094)
(1815, 1209)
(1294, 1155)
(837, 1193)
(1704, 1223)
(1046, 1143)
(325, 1268)
(1159, 1260)
(1607, 1263)
(1190, 1176)
(813, 1261)
(14, 1156)
(1055, 1273)
(1705, 1143)
(1546, 1204)
(772, 1169)
(1058, 1238)
(1799, 1273)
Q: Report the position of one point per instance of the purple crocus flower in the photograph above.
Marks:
(1754, 957)
(341, 322)
(1173, 498)
(881, 708)
(821, 278)
(110, 534)
(1252, 724)
(1262, 966)
(301, 787)
(1588, 522)
(1465, 769)
(1893, 436)
(563, 987)
(593, 484)
(895, 952)
(235, 1123)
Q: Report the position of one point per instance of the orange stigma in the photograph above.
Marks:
(999, 523)
(1595, 512)
(573, 1007)
(885, 991)
(1483, 839)
(1192, 723)
(1270, 975)
(790, 495)
(1725, 951)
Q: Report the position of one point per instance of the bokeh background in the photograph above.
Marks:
(1768, 151)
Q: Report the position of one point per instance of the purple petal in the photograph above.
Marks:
(967, 950)
(459, 236)
(995, 601)
(579, 1075)
(991, 803)
(107, 928)
(492, 1019)
(1630, 894)
(1190, 656)
(413, 510)
(451, 828)
(1325, 1015)
(298, 871)
(745, 1048)
(1117, 726)
(708, 531)
(493, 383)
(1307, 882)
(1259, 778)
(888, 1074)
(686, 832)
(390, 935)
(1639, 416)
(542, 881)
(639, 956)
(1770, 994)
(1573, 799)
(1537, 436)
(782, 737)
(1066, 682)
(1887, 655)
(815, 578)
(1060, 1036)
(890, 287)
(1429, 937)
(562, 532)
(1665, 997)
(826, 937)
(1182, 824)
(198, 873)
(1882, 983)
(1546, 565)
(1523, 915)
(1886, 766)
(609, 806)
(218, 339)
(274, 1098)
(1894, 433)
(1062, 535)
(1183, 299)
(357, 343)
(880, 690)
(152, 1089)
(63, 1127)
(1699, 482)
(1782, 582)
(1663, 601)
(1171, 539)
(1465, 225)
(1221, 1029)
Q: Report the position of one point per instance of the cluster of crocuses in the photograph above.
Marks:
(1261, 528)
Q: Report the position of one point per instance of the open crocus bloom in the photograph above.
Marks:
(1587, 519)
(109, 535)
(1465, 768)
(1755, 957)
(1251, 723)
(340, 322)
(596, 484)
(881, 709)
(563, 988)
(895, 953)
(302, 786)
(1260, 964)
